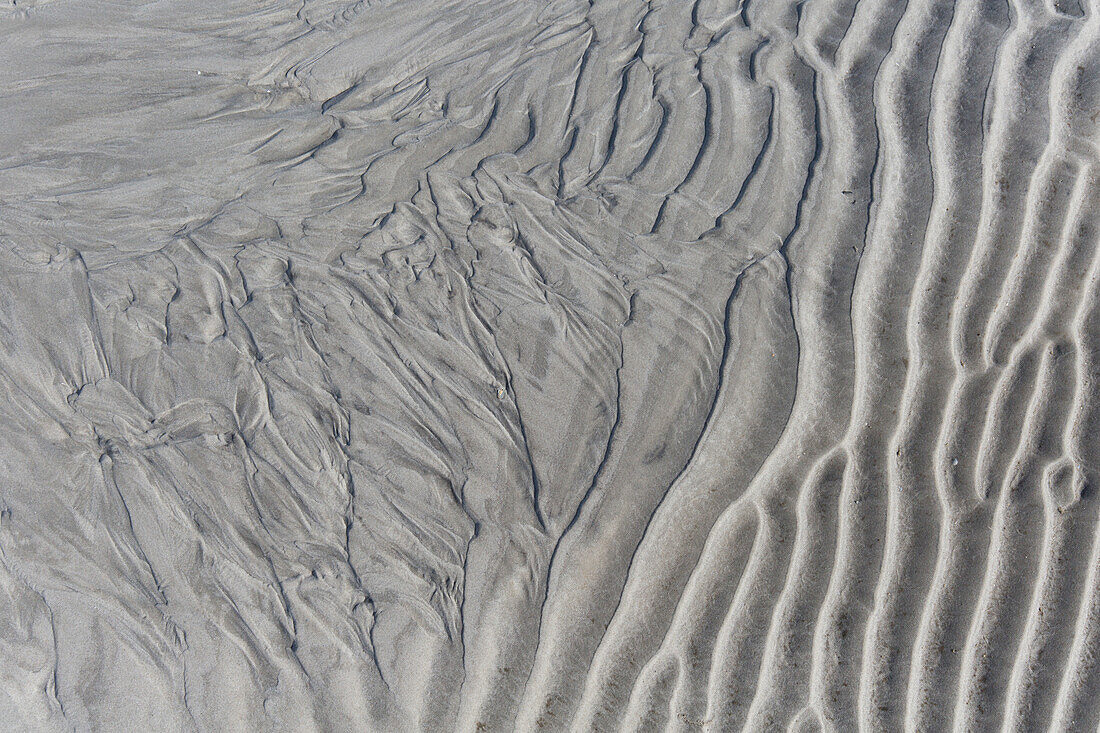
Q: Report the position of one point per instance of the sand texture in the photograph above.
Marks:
(550, 365)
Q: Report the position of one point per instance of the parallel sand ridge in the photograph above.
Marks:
(518, 365)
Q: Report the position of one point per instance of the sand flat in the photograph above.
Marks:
(524, 365)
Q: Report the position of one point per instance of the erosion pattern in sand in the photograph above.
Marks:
(520, 365)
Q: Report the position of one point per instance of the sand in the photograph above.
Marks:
(413, 365)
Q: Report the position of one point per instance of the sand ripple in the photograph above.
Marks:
(503, 365)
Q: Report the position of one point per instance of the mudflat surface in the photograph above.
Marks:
(414, 365)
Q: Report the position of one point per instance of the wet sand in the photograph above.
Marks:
(524, 365)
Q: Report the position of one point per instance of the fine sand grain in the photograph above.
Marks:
(424, 365)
